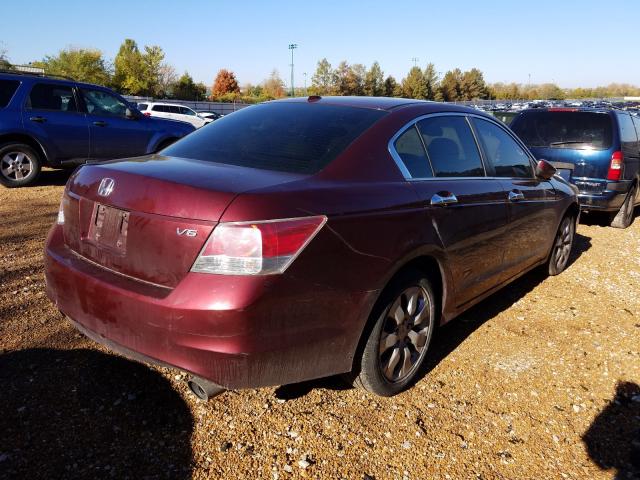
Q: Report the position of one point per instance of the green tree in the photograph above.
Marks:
(4, 61)
(473, 86)
(153, 57)
(450, 86)
(413, 85)
(130, 74)
(374, 81)
(186, 89)
(83, 65)
(430, 78)
(391, 87)
(322, 79)
(551, 91)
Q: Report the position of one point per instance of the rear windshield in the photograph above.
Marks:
(7, 89)
(288, 137)
(577, 130)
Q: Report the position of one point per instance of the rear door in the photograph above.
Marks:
(532, 218)
(467, 209)
(113, 135)
(51, 115)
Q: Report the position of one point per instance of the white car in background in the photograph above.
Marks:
(173, 111)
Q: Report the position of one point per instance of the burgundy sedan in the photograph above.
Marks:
(304, 238)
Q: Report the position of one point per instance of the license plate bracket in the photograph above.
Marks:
(109, 227)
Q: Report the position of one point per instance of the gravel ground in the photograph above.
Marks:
(542, 380)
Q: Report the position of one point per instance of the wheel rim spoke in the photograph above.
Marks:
(394, 359)
(388, 341)
(418, 339)
(407, 365)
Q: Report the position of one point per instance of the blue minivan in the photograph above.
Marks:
(602, 147)
(62, 123)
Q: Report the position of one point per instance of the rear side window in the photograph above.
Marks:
(173, 109)
(451, 147)
(159, 108)
(7, 89)
(636, 123)
(288, 137)
(506, 156)
(627, 130)
(47, 96)
(409, 148)
(576, 130)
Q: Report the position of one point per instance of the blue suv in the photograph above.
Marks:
(602, 147)
(62, 123)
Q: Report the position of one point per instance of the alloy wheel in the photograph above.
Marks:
(405, 334)
(16, 165)
(563, 243)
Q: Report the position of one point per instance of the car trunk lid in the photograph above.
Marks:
(148, 218)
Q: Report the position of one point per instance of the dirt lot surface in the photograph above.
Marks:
(539, 381)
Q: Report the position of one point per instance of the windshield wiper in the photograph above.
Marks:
(567, 142)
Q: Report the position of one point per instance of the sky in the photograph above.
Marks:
(570, 43)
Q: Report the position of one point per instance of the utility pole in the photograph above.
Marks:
(305, 83)
(415, 61)
(292, 47)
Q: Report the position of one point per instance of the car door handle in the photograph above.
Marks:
(100, 123)
(516, 195)
(443, 199)
(38, 119)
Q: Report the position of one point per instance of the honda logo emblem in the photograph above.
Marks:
(106, 187)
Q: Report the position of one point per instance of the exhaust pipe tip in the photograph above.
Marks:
(204, 389)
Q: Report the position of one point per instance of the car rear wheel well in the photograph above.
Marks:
(164, 144)
(424, 265)
(27, 140)
(573, 210)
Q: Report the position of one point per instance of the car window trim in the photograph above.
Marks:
(402, 167)
(509, 132)
(27, 97)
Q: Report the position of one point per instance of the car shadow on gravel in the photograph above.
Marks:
(50, 177)
(84, 414)
(447, 338)
(613, 439)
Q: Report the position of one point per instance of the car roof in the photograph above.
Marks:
(164, 103)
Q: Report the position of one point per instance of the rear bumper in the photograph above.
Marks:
(239, 332)
(609, 199)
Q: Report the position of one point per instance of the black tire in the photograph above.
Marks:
(373, 367)
(20, 165)
(624, 217)
(562, 245)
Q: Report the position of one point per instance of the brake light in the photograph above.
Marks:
(147, 114)
(256, 248)
(615, 167)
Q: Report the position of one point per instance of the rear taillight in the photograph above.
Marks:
(146, 114)
(615, 167)
(256, 248)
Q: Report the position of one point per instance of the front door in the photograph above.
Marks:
(113, 135)
(532, 218)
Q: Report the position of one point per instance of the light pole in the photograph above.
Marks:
(292, 47)
(305, 83)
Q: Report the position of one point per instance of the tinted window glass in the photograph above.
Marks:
(186, 111)
(103, 103)
(45, 96)
(142, 106)
(289, 137)
(636, 123)
(504, 153)
(578, 130)
(158, 108)
(409, 148)
(451, 148)
(173, 109)
(627, 131)
(7, 89)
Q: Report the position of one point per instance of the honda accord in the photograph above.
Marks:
(303, 238)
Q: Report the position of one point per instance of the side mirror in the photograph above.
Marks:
(130, 114)
(545, 170)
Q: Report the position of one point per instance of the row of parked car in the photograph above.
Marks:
(317, 236)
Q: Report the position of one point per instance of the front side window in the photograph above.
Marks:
(451, 147)
(49, 96)
(186, 111)
(502, 151)
(7, 89)
(142, 106)
(409, 148)
(103, 103)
